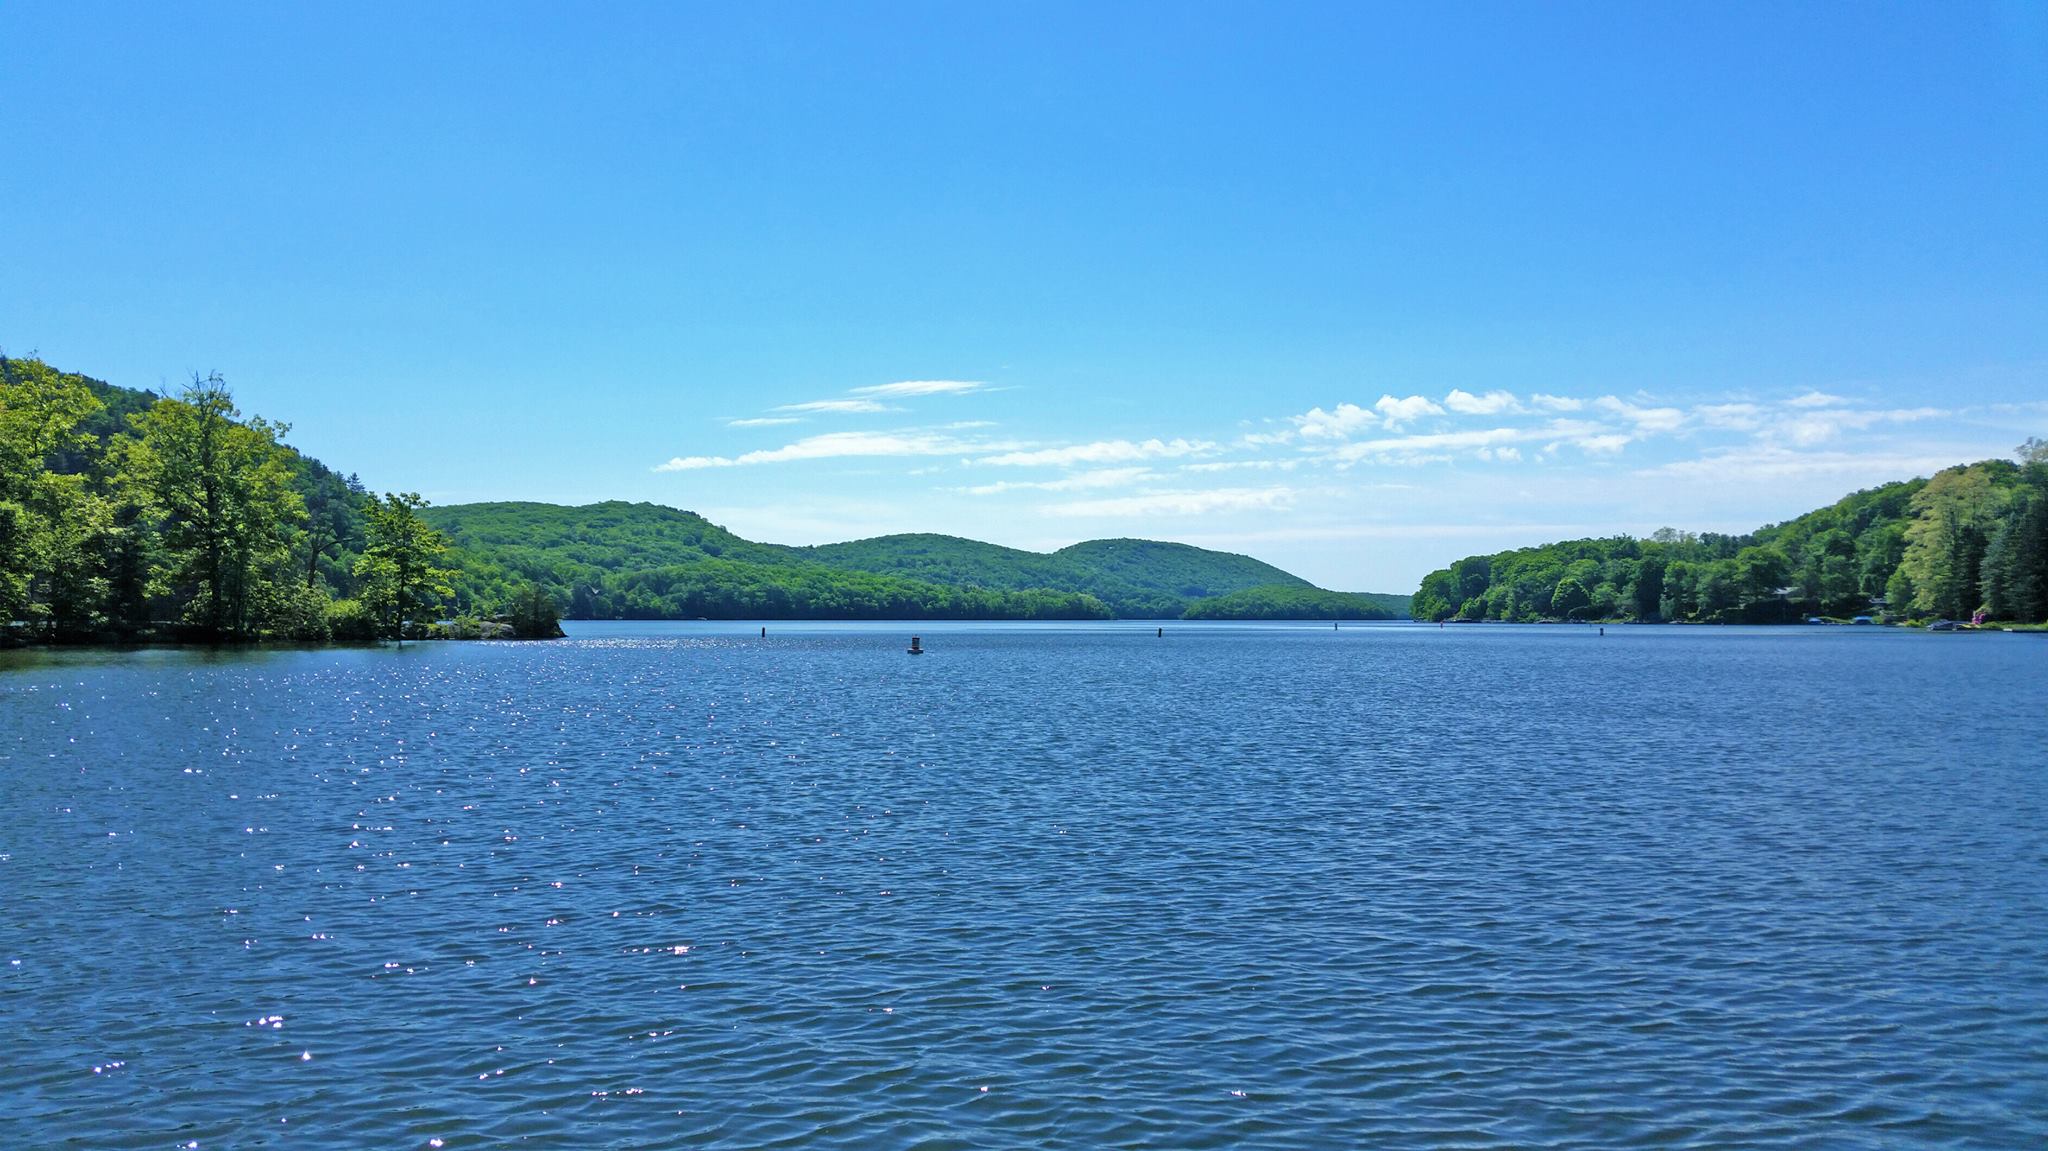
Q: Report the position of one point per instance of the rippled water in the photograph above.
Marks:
(681, 886)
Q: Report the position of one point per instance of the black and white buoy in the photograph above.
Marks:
(916, 646)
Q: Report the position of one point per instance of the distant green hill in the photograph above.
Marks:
(645, 561)
(617, 560)
(947, 560)
(1287, 601)
(1138, 579)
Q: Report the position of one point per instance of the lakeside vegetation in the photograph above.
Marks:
(1287, 601)
(1970, 541)
(129, 516)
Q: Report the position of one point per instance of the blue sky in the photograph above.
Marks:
(1356, 289)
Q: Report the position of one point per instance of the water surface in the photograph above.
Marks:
(1066, 886)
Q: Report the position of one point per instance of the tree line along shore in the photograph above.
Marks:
(129, 516)
(1968, 543)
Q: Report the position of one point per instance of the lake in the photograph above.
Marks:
(1066, 886)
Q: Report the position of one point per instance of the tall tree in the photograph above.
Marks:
(54, 527)
(1649, 588)
(2016, 562)
(401, 579)
(1952, 520)
(221, 490)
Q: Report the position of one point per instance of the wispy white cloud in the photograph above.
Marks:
(1433, 442)
(1178, 503)
(1340, 423)
(833, 445)
(1644, 418)
(1556, 403)
(763, 422)
(1604, 444)
(1737, 416)
(1492, 403)
(1101, 452)
(835, 406)
(1815, 400)
(921, 388)
(1286, 465)
(1766, 463)
(1395, 412)
(1080, 481)
(1819, 425)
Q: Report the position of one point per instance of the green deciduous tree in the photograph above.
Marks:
(221, 493)
(54, 528)
(399, 569)
(1953, 517)
(535, 614)
(1570, 599)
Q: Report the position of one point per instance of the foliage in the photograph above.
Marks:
(534, 614)
(1286, 601)
(353, 620)
(731, 589)
(1954, 517)
(1970, 538)
(53, 526)
(642, 561)
(219, 491)
(126, 514)
(290, 610)
(401, 583)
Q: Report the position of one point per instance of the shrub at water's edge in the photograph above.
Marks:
(1971, 542)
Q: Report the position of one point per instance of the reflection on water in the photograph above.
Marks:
(1061, 886)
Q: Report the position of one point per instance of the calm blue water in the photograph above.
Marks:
(1046, 886)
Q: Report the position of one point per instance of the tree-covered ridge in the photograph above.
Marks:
(1970, 540)
(1138, 579)
(644, 561)
(130, 515)
(1288, 601)
(613, 535)
(734, 589)
(948, 560)
(1160, 575)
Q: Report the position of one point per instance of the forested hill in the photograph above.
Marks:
(645, 561)
(1971, 539)
(1139, 579)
